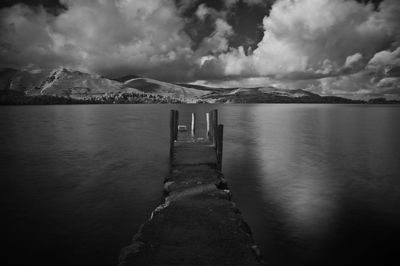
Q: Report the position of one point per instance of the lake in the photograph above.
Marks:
(318, 184)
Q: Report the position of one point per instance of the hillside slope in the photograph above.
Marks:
(165, 89)
(72, 84)
(12, 80)
(269, 95)
(68, 83)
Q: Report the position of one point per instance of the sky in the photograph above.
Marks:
(332, 47)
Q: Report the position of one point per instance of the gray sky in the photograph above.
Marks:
(334, 47)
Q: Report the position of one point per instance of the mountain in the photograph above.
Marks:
(200, 87)
(125, 78)
(64, 85)
(72, 84)
(6, 77)
(75, 84)
(270, 94)
(165, 89)
(12, 80)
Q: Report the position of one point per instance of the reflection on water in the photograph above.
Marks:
(323, 180)
(318, 184)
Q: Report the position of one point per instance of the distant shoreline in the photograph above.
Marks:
(13, 99)
(66, 86)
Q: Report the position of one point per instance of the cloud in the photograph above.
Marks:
(317, 39)
(184, 5)
(323, 45)
(101, 36)
(386, 66)
(386, 58)
(144, 37)
(202, 11)
(231, 3)
(217, 42)
(254, 2)
(353, 60)
(319, 35)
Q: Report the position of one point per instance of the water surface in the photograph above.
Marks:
(318, 184)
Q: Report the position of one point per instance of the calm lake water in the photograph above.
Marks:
(318, 184)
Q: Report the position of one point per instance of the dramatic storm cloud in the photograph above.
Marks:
(320, 36)
(327, 43)
(100, 36)
(335, 47)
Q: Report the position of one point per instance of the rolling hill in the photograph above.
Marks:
(67, 83)
(76, 85)
(165, 89)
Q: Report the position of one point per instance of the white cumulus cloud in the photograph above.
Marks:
(334, 44)
(108, 37)
(303, 36)
(306, 39)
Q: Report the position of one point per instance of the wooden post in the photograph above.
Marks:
(193, 128)
(208, 125)
(215, 126)
(220, 141)
(172, 132)
(176, 120)
(211, 127)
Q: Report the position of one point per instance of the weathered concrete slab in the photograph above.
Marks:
(205, 229)
(188, 176)
(192, 143)
(198, 224)
(194, 155)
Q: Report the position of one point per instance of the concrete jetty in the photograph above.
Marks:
(198, 224)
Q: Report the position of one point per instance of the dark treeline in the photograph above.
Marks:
(273, 98)
(284, 99)
(17, 98)
(383, 101)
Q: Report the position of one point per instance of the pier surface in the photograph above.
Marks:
(198, 224)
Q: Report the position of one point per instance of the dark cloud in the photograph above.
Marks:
(374, 2)
(51, 6)
(394, 72)
(45, 3)
(247, 23)
(133, 36)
